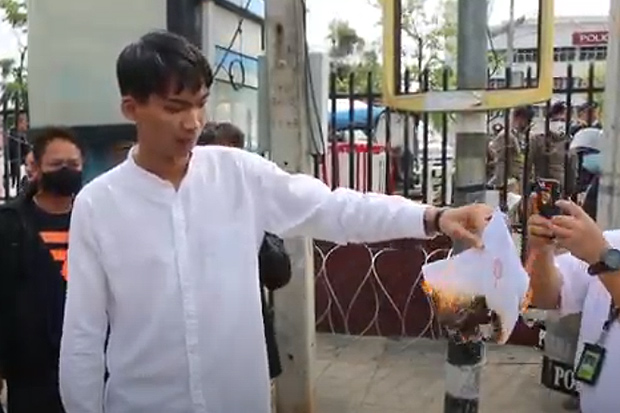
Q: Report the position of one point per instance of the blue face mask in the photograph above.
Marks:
(592, 163)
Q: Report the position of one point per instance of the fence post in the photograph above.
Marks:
(465, 359)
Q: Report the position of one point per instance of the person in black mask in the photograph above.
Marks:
(33, 273)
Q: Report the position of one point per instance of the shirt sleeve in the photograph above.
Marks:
(300, 205)
(575, 283)
(82, 364)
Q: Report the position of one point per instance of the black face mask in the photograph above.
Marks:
(62, 182)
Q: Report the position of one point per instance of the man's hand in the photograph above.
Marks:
(466, 223)
(578, 233)
(540, 234)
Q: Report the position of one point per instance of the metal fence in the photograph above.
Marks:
(375, 289)
(13, 141)
(416, 150)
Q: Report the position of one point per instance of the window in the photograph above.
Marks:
(497, 83)
(525, 55)
(564, 54)
(560, 82)
(579, 82)
(238, 106)
(589, 54)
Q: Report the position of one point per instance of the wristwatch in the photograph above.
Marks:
(610, 262)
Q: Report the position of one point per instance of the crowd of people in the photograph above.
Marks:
(532, 151)
(145, 289)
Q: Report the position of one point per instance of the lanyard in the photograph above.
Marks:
(614, 313)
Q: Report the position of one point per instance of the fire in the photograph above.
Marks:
(445, 302)
(527, 301)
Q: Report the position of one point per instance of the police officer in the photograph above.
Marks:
(587, 116)
(500, 152)
(548, 149)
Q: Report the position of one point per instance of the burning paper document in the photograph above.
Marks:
(494, 273)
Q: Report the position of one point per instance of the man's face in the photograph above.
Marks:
(22, 122)
(30, 166)
(518, 122)
(59, 153)
(168, 125)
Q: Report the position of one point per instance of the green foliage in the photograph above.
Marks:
(349, 58)
(14, 75)
(436, 31)
(15, 13)
(344, 39)
(433, 32)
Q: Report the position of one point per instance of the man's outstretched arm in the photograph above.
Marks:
(82, 364)
(300, 205)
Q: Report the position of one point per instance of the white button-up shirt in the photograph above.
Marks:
(174, 273)
(582, 292)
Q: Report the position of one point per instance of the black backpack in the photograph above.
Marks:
(274, 266)
(11, 237)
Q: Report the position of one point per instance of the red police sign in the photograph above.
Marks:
(590, 38)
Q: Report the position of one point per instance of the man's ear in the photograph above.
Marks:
(36, 171)
(129, 107)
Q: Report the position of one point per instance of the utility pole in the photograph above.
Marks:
(608, 215)
(465, 358)
(290, 149)
(510, 37)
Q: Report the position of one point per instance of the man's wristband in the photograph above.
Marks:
(431, 221)
(436, 220)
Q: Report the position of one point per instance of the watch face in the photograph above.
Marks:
(612, 259)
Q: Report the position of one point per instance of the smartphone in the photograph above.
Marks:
(548, 192)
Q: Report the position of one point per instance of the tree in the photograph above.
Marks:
(350, 55)
(344, 39)
(428, 37)
(14, 74)
(15, 14)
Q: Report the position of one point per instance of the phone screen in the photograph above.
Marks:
(548, 192)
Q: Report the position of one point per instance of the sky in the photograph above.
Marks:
(363, 18)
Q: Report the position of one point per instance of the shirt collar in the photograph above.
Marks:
(149, 183)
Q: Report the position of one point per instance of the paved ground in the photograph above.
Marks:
(378, 375)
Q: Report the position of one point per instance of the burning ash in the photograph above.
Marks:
(463, 316)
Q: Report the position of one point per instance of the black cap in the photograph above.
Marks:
(587, 105)
(557, 108)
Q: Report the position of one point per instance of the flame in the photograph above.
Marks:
(446, 302)
(530, 294)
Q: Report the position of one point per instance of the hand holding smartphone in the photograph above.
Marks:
(547, 193)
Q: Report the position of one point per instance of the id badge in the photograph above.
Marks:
(590, 364)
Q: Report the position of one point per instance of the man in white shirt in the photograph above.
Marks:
(587, 280)
(163, 250)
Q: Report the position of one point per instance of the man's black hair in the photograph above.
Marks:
(208, 135)
(229, 133)
(49, 134)
(587, 105)
(161, 62)
(557, 108)
(524, 112)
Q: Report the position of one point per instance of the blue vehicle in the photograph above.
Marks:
(359, 121)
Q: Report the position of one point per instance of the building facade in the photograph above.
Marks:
(579, 41)
(233, 39)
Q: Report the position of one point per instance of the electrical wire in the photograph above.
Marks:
(312, 106)
(233, 39)
(236, 85)
(494, 52)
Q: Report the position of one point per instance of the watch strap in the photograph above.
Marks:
(598, 268)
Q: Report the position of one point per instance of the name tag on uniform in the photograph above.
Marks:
(590, 364)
